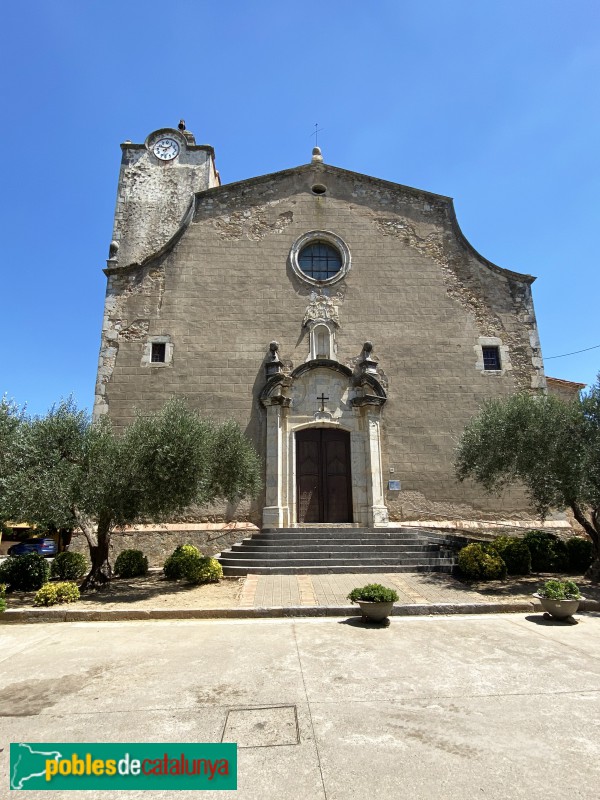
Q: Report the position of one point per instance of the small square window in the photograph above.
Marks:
(491, 357)
(159, 350)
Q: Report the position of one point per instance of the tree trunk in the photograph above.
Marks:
(591, 528)
(101, 571)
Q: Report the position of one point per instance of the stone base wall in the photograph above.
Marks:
(158, 542)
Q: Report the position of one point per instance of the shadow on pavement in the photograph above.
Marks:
(356, 622)
(540, 619)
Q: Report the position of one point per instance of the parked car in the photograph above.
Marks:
(45, 546)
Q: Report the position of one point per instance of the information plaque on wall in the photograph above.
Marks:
(394, 486)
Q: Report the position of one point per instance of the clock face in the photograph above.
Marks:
(166, 149)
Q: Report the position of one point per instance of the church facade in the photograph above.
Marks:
(343, 321)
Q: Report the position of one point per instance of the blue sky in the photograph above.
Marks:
(492, 103)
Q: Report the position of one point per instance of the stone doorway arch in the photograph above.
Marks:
(323, 394)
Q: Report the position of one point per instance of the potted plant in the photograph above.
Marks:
(559, 599)
(375, 601)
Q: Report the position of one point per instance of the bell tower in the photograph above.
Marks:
(157, 182)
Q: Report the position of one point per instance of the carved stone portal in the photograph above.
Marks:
(353, 404)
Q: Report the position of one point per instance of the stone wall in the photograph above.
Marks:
(158, 542)
(416, 288)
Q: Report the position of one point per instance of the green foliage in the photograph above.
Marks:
(539, 440)
(2, 597)
(131, 563)
(69, 566)
(560, 590)
(24, 573)
(52, 593)
(550, 447)
(203, 570)
(373, 593)
(65, 471)
(479, 562)
(548, 552)
(580, 553)
(177, 563)
(514, 553)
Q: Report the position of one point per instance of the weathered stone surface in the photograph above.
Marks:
(158, 543)
(427, 300)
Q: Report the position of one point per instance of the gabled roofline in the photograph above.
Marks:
(321, 168)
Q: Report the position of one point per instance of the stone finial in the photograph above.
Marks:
(189, 136)
(317, 157)
(274, 365)
(113, 249)
(368, 362)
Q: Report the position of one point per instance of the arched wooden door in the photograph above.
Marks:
(323, 477)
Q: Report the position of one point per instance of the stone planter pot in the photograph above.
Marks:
(559, 609)
(375, 612)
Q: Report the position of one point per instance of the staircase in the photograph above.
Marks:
(314, 550)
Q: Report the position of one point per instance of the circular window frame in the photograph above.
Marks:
(312, 237)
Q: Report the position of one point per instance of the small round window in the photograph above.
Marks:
(320, 261)
(320, 257)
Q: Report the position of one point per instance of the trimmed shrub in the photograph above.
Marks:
(2, 598)
(373, 593)
(130, 564)
(25, 573)
(548, 552)
(476, 563)
(514, 553)
(52, 593)
(69, 566)
(203, 570)
(176, 564)
(580, 553)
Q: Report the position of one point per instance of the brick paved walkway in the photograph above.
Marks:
(332, 589)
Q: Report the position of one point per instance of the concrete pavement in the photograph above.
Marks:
(495, 706)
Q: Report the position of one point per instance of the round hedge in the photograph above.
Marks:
(176, 565)
(476, 563)
(69, 566)
(515, 554)
(25, 573)
(130, 564)
(52, 593)
(203, 570)
(580, 553)
(548, 552)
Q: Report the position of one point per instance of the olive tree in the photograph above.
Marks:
(549, 446)
(66, 471)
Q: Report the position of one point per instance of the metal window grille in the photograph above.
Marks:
(320, 261)
(158, 352)
(491, 357)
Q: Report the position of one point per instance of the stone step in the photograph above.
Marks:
(326, 552)
(252, 544)
(290, 561)
(232, 571)
(343, 541)
(341, 549)
(350, 532)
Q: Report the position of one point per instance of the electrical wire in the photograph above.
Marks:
(564, 355)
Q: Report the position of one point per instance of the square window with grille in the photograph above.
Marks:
(159, 350)
(491, 357)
